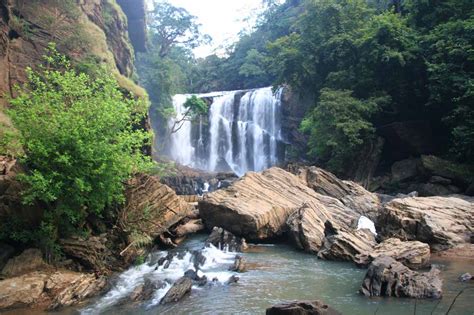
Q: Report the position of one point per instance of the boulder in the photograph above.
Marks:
(193, 275)
(179, 289)
(28, 261)
(442, 222)
(388, 277)
(461, 174)
(151, 209)
(47, 290)
(225, 240)
(258, 205)
(301, 308)
(412, 254)
(405, 169)
(306, 226)
(345, 244)
(351, 194)
(239, 264)
(144, 291)
(432, 189)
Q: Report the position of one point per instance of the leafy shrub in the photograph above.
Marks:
(79, 140)
(338, 127)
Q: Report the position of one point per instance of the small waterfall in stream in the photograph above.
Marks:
(240, 133)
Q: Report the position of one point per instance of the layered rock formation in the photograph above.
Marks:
(259, 204)
(442, 222)
(413, 254)
(388, 277)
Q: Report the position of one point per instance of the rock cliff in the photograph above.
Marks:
(89, 31)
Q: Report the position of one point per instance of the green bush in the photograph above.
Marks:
(79, 140)
(339, 126)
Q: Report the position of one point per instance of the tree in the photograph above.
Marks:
(338, 127)
(171, 26)
(80, 141)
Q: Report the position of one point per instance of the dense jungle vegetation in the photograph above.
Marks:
(365, 63)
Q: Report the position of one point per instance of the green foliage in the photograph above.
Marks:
(79, 140)
(339, 126)
(196, 106)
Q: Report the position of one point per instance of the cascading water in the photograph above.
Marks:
(241, 132)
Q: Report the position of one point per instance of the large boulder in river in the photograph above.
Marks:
(441, 222)
(345, 244)
(179, 289)
(349, 193)
(301, 308)
(413, 254)
(258, 205)
(306, 226)
(388, 277)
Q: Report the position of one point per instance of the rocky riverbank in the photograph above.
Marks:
(313, 209)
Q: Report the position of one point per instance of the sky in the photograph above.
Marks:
(221, 19)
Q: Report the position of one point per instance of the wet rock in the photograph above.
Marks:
(430, 189)
(198, 259)
(301, 308)
(306, 226)
(388, 277)
(349, 193)
(193, 275)
(440, 180)
(223, 239)
(258, 205)
(232, 279)
(345, 244)
(465, 277)
(413, 254)
(239, 264)
(179, 289)
(144, 292)
(442, 222)
(28, 261)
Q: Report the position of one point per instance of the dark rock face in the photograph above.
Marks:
(6, 252)
(387, 277)
(179, 289)
(226, 240)
(144, 292)
(192, 182)
(136, 13)
(293, 109)
(407, 138)
(191, 274)
(301, 308)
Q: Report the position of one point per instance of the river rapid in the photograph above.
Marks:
(277, 272)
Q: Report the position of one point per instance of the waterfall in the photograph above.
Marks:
(240, 133)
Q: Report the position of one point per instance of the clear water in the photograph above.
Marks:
(280, 273)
